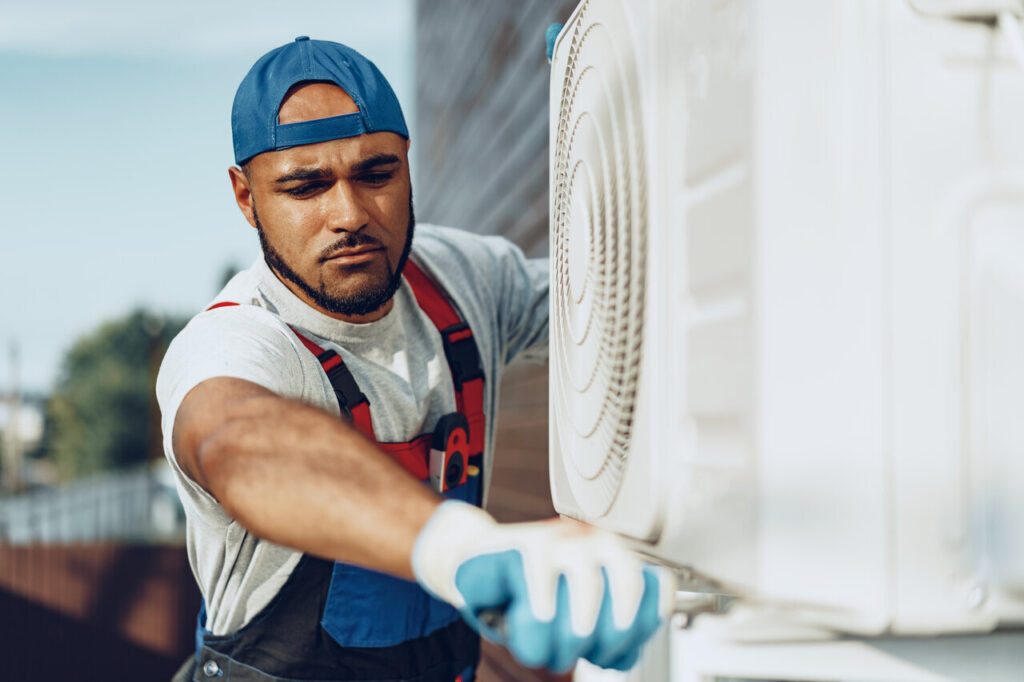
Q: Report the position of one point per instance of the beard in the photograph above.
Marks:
(362, 302)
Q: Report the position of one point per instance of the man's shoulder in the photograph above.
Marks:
(239, 303)
(452, 252)
(242, 331)
(238, 319)
(243, 341)
(440, 241)
(242, 288)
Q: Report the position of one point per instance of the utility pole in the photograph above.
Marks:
(13, 474)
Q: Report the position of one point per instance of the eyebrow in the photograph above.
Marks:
(313, 173)
(304, 174)
(375, 161)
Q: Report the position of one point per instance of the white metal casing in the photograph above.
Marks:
(825, 413)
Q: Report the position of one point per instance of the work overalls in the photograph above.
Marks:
(335, 621)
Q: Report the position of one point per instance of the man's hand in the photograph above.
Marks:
(564, 590)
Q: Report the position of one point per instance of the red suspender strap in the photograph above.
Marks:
(350, 398)
(430, 298)
(413, 456)
(460, 349)
(463, 360)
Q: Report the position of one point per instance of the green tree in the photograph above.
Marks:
(103, 412)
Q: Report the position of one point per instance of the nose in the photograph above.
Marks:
(346, 212)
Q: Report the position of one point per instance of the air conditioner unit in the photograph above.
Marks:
(787, 341)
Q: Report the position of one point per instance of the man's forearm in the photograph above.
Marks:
(300, 477)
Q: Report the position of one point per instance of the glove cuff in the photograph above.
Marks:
(443, 545)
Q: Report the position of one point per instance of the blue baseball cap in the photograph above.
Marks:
(254, 126)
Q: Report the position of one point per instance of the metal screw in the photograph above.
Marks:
(976, 596)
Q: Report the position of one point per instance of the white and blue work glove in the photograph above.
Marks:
(551, 591)
(550, 36)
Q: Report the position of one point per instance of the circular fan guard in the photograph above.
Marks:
(599, 239)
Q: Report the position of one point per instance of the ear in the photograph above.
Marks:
(243, 193)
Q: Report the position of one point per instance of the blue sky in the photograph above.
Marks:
(116, 120)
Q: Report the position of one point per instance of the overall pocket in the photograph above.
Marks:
(366, 608)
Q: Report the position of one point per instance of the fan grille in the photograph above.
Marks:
(599, 239)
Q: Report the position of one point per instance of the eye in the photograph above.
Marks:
(376, 178)
(307, 189)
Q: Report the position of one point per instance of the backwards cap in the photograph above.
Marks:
(254, 126)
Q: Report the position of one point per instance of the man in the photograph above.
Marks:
(332, 397)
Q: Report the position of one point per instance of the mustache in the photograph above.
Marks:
(349, 240)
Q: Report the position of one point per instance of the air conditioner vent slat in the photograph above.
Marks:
(600, 199)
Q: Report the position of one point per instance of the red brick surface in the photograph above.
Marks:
(98, 611)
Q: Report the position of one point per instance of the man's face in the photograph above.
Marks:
(335, 218)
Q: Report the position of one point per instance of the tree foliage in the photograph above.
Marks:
(103, 413)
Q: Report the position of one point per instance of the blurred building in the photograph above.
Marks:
(481, 134)
(21, 429)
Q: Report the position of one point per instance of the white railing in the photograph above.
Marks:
(137, 505)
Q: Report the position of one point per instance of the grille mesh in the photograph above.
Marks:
(599, 235)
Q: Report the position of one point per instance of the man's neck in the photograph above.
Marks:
(300, 294)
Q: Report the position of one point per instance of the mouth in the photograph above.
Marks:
(354, 255)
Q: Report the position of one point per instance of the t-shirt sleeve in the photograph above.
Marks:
(522, 303)
(243, 342)
(510, 290)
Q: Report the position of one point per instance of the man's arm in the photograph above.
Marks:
(300, 477)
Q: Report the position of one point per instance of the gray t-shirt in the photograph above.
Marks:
(398, 362)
